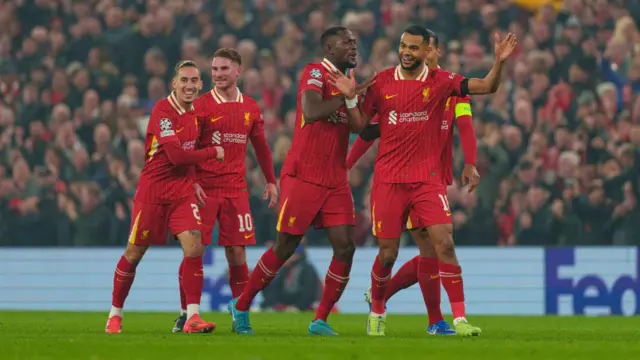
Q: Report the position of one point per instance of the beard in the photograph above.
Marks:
(415, 65)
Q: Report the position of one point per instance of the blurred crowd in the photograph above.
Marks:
(559, 143)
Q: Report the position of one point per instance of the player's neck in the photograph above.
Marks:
(229, 94)
(341, 68)
(184, 104)
(413, 74)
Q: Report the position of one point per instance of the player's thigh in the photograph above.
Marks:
(184, 215)
(148, 224)
(337, 209)
(236, 223)
(299, 205)
(208, 215)
(430, 205)
(389, 210)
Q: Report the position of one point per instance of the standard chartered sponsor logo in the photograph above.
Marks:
(407, 117)
(393, 117)
(215, 138)
(235, 138)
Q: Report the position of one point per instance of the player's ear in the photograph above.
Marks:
(238, 71)
(174, 82)
(199, 85)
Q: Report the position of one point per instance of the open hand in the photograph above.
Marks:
(345, 84)
(361, 89)
(505, 47)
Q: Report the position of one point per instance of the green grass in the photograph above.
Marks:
(58, 335)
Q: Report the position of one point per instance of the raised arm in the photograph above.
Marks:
(490, 83)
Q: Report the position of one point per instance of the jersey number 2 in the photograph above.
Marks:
(196, 211)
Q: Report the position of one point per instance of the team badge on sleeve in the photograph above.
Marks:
(165, 127)
(316, 73)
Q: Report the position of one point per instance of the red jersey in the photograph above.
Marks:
(161, 181)
(230, 124)
(414, 130)
(319, 150)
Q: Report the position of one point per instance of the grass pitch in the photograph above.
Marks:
(283, 336)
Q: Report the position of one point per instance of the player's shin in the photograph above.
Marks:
(334, 284)
(405, 277)
(453, 284)
(238, 269)
(123, 277)
(381, 273)
(429, 280)
(183, 297)
(267, 268)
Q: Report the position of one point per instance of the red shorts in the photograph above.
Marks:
(234, 220)
(303, 204)
(391, 205)
(149, 222)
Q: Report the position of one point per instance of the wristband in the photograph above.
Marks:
(351, 103)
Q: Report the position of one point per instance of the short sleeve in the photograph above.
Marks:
(370, 105)
(312, 78)
(161, 125)
(455, 83)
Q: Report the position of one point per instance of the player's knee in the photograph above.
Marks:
(134, 253)
(286, 245)
(192, 245)
(345, 252)
(236, 255)
(443, 240)
(388, 256)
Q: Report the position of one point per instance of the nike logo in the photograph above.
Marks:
(434, 277)
(248, 236)
(334, 93)
(216, 119)
(455, 282)
(387, 97)
(179, 130)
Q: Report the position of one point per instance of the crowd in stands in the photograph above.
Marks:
(559, 143)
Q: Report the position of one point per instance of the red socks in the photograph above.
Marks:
(192, 279)
(122, 280)
(183, 298)
(405, 277)
(380, 276)
(452, 281)
(429, 280)
(238, 278)
(260, 278)
(334, 283)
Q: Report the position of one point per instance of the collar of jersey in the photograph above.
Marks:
(175, 104)
(220, 99)
(329, 65)
(422, 77)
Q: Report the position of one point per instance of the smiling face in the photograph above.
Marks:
(187, 83)
(224, 72)
(414, 50)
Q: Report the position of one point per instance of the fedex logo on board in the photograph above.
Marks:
(592, 285)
